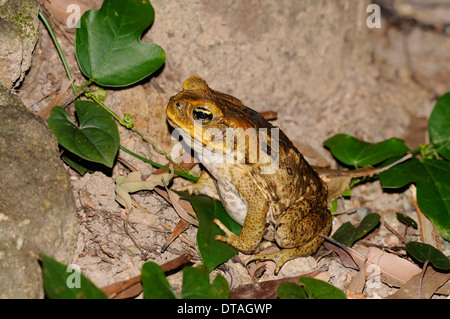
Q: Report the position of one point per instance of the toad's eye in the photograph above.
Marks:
(202, 114)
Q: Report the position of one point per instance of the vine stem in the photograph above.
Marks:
(421, 278)
(128, 125)
(182, 174)
(58, 48)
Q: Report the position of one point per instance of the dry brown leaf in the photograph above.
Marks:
(132, 287)
(181, 226)
(265, 289)
(366, 171)
(428, 232)
(394, 270)
(269, 115)
(432, 281)
(336, 186)
(182, 207)
(342, 251)
(44, 113)
(390, 268)
(359, 281)
(313, 156)
(338, 180)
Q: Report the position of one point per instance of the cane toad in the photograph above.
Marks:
(266, 186)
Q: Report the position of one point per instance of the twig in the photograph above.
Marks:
(132, 287)
(396, 233)
(365, 171)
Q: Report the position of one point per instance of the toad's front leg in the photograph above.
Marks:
(252, 231)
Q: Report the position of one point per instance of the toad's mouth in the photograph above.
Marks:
(203, 151)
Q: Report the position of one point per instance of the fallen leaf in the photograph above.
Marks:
(339, 180)
(133, 182)
(428, 233)
(390, 268)
(393, 269)
(314, 157)
(265, 289)
(432, 281)
(336, 186)
(175, 201)
(342, 251)
(132, 287)
(269, 115)
(44, 113)
(181, 226)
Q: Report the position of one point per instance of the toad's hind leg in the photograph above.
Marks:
(303, 244)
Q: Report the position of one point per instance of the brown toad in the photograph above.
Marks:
(263, 181)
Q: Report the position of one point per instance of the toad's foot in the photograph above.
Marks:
(284, 255)
(233, 239)
(204, 186)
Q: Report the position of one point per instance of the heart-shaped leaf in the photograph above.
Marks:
(318, 289)
(423, 252)
(406, 220)
(439, 126)
(431, 177)
(108, 46)
(96, 139)
(289, 290)
(311, 289)
(196, 284)
(352, 151)
(60, 283)
(154, 282)
(347, 234)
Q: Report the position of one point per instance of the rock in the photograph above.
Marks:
(37, 207)
(19, 31)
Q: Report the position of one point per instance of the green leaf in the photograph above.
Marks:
(96, 139)
(213, 252)
(220, 285)
(318, 289)
(406, 220)
(59, 283)
(108, 46)
(439, 126)
(347, 234)
(75, 165)
(344, 234)
(311, 289)
(154, 282)
(431, 177)
(196, 284)
(289, 290)
(79, 164)
(352, 151)
(423, 252)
